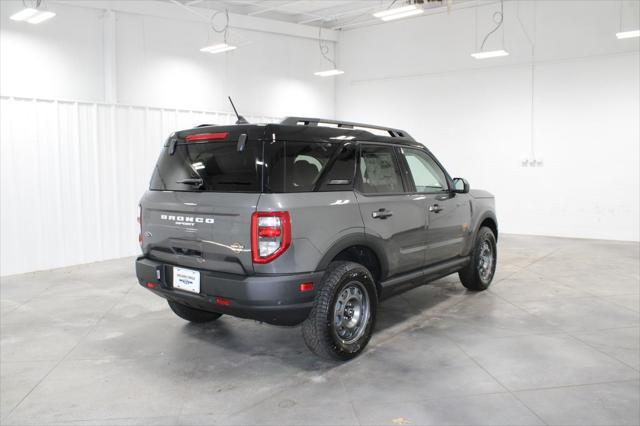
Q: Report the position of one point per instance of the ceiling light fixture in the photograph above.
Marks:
(329, 73)
(223, 46)
(498, 18)
(25, 13)
(218, 48)
(324, 51)
(32, 13)
(490, 54)
(399, 12)
(41, 17)
(628, 34)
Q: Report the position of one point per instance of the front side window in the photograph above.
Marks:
(378, 171)
(427, 175)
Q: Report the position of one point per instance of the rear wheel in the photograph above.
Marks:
(478, 274)
(341, 321)
(191, 314)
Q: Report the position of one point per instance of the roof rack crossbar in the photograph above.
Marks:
(306, 121)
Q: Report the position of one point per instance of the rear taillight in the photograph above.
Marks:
(270, 235)
(140, 223)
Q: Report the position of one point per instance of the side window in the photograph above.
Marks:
(378, 171)
(340, 176)
(295, 166)
(427, 175)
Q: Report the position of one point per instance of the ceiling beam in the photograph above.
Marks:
(448, 8)
(277, 7)
(179, 11)
(337, 15)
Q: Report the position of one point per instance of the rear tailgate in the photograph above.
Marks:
(205, 186)
(199, 230)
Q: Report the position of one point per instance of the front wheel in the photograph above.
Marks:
(478, 274)
(341, 321)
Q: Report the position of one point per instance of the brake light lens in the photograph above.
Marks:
(207, 137)
(222, 301)
(305, 287)
(270, 235)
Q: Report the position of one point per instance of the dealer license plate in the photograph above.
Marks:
(186, 279)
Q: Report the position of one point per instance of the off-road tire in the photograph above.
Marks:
(319, 330)
(470, 276)
(191, 314)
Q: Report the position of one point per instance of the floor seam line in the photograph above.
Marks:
(499, 382)
(91, 328)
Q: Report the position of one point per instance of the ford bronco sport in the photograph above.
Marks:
(307, 221)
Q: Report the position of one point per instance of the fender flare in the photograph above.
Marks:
(358, 239)
(486, 215)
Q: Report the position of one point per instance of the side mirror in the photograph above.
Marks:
(460, 186)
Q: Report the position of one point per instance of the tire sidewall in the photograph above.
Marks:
(485, 234)
(347, 351)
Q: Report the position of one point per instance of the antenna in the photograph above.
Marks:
(241, 119)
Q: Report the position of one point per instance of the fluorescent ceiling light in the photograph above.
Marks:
(218, 48)
(399, 12)
(329, 73)
(621, 35)
(24, 14)
(41, 17)
(490, 54)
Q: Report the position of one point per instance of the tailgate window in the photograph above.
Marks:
(209, 167)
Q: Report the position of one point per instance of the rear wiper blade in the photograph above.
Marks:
(192, 181)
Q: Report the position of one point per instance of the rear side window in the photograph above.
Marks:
(211, 166)
(378, 171)
(300, 166)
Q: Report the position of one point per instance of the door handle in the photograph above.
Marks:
(381, 214)
(435, 208)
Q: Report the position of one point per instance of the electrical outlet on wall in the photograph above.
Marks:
(531, 162)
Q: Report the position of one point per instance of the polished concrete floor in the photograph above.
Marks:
(554, 341)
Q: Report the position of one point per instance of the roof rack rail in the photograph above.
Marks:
(307, 121)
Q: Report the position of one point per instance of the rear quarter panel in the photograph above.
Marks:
(318, 221)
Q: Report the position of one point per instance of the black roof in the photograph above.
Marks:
(312, 130)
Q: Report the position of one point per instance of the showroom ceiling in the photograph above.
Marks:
(334, 14)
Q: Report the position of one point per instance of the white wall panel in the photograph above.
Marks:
(158, 62)
(476, 115)
(72, 175)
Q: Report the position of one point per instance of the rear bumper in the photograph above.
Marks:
(275, 299)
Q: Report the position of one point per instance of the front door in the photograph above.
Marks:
(448, 214)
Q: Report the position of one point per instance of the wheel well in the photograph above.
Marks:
(364, 256)
(491, 224)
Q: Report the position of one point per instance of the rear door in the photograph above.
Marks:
(393, 219)
(198, 211)
(448, 216)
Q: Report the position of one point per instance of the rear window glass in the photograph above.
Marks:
(299, 166)
(211, 166)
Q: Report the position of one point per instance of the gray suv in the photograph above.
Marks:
(307, 221)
